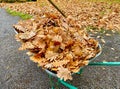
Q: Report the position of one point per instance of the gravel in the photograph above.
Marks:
(18, 72)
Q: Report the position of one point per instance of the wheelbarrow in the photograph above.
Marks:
(91, 63)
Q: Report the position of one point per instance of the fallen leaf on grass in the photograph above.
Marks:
(113, 48)
(108, 34)
(103, 41)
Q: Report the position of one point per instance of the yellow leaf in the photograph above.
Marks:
(64, 73)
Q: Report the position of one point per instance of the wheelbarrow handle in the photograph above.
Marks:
(67, 84)
(104, 64)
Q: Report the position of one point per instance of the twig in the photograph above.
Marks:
(57, 8)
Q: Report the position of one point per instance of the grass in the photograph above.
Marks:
(95, 29)
(20, 14)
(89, 28)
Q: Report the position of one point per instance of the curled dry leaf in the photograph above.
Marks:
(26, 35)
(27, 45)
(48, 65)
(57, 38)
(64, 73)
(60, 63)
(50, 55)
(19, 28)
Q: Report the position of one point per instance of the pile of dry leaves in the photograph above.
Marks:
(56, 43)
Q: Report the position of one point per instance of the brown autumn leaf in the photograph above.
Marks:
(48, 66)
(36, 58)
(38, 42)
(64, 73)
(60, 63)
(19, 28)
(27, 45)
(26, 35)
(50, 55)
(57, 38)
(103, 41)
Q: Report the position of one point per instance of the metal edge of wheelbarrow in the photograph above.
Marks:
(98, 54)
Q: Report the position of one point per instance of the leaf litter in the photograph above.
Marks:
(56, 43)
(100, 15)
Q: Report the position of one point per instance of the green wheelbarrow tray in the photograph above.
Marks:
(51, 74)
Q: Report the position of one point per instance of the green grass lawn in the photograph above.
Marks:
(20, 14)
